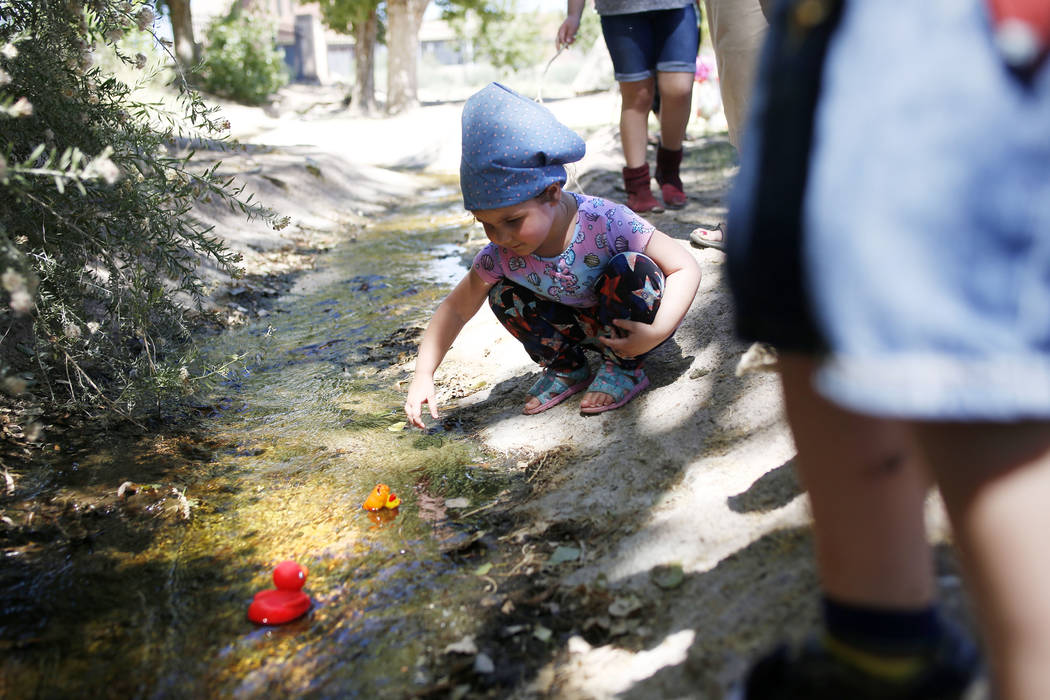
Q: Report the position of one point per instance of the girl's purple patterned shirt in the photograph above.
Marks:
(603, 229)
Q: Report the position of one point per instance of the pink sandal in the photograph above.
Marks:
(621, 384)
(554, 387)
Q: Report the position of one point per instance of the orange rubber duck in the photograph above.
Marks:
(285, 603)
(380, 498)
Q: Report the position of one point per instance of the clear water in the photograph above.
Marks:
(307, 422)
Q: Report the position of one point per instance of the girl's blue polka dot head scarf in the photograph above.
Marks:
(513, 148)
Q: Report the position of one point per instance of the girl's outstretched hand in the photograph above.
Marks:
(640, 338)
(420, 391)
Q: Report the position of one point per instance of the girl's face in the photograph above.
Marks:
(523, 228)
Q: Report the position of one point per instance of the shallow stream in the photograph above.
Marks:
(302, 426)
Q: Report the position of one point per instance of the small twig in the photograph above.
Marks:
(543, 75)
(539, 465)
(99, 393)
(478, 510)
(526, 559)
(69, 380)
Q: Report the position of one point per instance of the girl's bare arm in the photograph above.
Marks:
(452, 314)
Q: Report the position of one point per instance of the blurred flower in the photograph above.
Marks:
(102, 167)
(5, 77)
(21, 108)
(140, 61)
(145, 18)
(13, 280)
(704, 70)
(114, 34)
(71, 331)
(21, 301)
(9, 51)
(93, 327)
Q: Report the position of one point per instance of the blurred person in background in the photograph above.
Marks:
(891, 237)
(652, 43)
(737, 29)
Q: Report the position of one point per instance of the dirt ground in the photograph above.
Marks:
(663, 544)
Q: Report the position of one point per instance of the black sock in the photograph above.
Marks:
(889, 642)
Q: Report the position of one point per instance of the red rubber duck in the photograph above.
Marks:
(287, 602)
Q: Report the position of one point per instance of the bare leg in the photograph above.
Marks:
(867, 488)
(636, 99)
(676, 99)
(996, 484)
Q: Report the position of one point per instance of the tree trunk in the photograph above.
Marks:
(363, 94)
(403, 20)
(186, 50)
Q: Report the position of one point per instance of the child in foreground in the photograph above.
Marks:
(563, 272)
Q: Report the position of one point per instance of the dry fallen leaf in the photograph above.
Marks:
(463, 646)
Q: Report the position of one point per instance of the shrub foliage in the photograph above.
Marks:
(240, 61)
(97, 239)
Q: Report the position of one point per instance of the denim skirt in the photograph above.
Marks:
(920, 253)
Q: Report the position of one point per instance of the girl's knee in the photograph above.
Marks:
(637, 95)
(630, 288)
(636, 269)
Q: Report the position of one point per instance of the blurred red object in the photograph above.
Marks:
(1022, 30)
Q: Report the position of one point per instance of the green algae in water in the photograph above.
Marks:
(427, 440)
(453, 470)
(372, 421)
(290, 485)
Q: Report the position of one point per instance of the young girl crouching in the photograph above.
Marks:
(563, 272)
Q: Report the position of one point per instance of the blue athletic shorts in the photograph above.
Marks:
(643, 43)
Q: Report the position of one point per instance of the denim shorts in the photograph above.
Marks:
(643, 43)
(924, 243)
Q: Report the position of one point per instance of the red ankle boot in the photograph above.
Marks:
(667, 165)
(639, 197)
